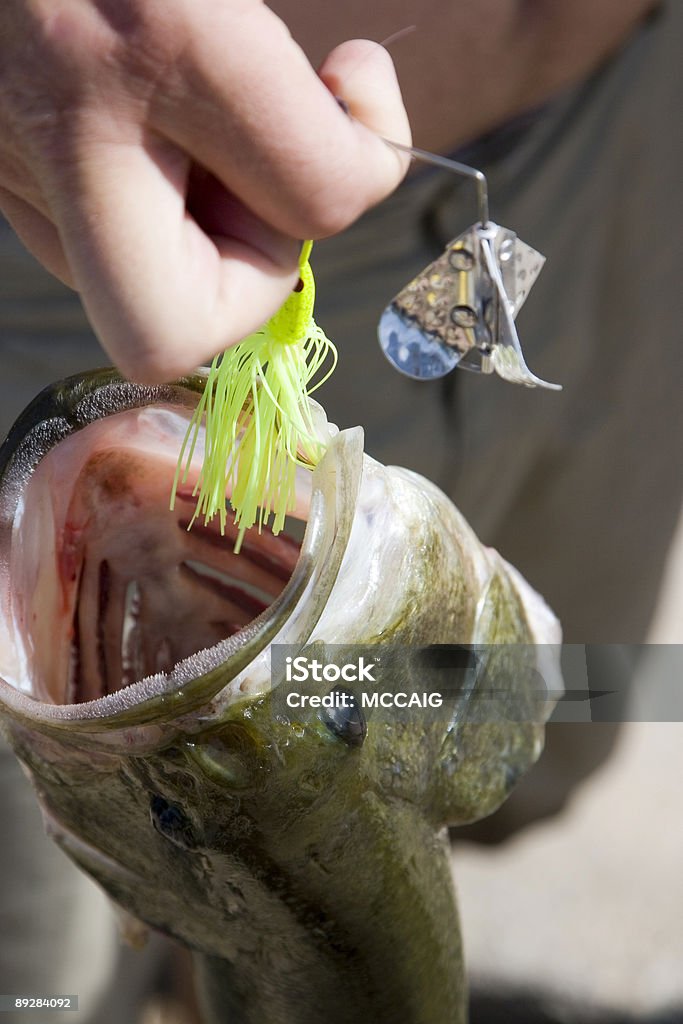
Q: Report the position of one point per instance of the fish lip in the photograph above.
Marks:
(71, 405)
(64, 408)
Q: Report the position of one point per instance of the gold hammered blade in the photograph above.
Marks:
(460, 309)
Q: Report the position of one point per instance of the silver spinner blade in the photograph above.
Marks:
(460, 310)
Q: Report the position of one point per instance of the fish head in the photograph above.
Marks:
(143, 674)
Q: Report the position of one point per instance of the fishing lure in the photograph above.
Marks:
(258, 422)
(460, 310)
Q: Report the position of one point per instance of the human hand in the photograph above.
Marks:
(164, 157)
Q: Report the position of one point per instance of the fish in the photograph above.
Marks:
(300, 853)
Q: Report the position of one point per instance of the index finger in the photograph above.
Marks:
(267, 126)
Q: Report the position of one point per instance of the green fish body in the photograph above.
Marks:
(301, 853)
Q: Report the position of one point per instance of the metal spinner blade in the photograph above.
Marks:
(460, 310)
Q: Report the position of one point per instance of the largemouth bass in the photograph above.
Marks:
(301, 854)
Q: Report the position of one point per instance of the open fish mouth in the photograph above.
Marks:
(115, 618)
(101, 585)
(111, 586)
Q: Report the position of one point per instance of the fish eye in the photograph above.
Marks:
(345, 718)
(172, 823)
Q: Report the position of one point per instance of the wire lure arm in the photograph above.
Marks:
(457, 168)
(460, 310)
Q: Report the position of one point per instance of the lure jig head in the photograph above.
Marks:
(460, 311)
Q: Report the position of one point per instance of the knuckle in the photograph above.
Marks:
(153, 36)
(148, 364)
(157, 351)
(69, 41)
(333, 207)
(113, 53)
(45, 97)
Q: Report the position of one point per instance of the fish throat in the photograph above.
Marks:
(109, 586)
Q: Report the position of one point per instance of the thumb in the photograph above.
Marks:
(362, 74)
